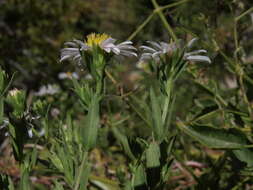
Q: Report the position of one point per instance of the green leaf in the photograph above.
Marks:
(142, 109)
(214, 137)
(245, 155)
(153, 155)
(139, 176)
(58, 185)
(158, 128)
(124, 142)
(90, 130)
(6, 182)
(24, 180)
(85, 176)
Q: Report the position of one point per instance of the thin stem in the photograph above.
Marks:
(173, 4)
(85, 155)
(243, 14)
(161, 15)
(239, 71)
(146, 21)
(110, 77)
(245, 98)
(236, 41)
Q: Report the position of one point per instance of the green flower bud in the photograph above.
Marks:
(16, 98)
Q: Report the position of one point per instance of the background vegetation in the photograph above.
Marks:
(217, 96)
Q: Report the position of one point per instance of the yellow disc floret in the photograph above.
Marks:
(96, 39)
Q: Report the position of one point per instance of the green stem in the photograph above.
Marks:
(240, 72)
(236, 41)
(146, 21)
(141, 26)
(173, 4)
(81, 168)
(243, 14)
(161, 15)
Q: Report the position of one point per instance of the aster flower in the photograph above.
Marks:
(47, 90)
(156, 50)
(68, 75)
(103, 41)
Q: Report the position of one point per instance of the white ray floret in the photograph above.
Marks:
(157, 49)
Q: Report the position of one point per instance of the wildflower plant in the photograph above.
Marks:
(166, 61)
(93, 54)
(111, 136)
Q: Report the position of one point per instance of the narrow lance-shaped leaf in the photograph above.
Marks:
(139, 177)
(142, 109)
(153, 155)
(214, 137)
(158, 128)
(124, 142)
(85, 176)
(90, 130)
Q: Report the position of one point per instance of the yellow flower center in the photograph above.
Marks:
(96, 39)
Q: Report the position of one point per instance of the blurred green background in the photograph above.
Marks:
(32, 32)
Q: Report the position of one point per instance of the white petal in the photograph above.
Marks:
(126, 47)
(165, 46)
(198, 58)
(116, 50)
(195, 52)
(62, 75)
(148, 48)
(65, 57)
(108, 47)
(108, 41)
(127, 53)
(30, 133)
(126, 43)
(77, 56)
(154, 44)
(190, 43)
(70, 44)
(156, 54)
(70, 49)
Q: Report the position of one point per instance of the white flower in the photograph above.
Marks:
(156, 50)
(47, 89)
(14, 92)
(68, 75)
(105, 42)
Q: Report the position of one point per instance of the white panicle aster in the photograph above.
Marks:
(47, 90)
(156, 50)
(68, 75)
(103, 41)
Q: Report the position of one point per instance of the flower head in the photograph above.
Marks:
(68, 75)
(47, 90)
(102, 41)
(14, 92)
(156, 50)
